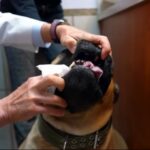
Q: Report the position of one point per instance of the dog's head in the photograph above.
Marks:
(88, 79)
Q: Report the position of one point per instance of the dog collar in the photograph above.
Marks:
(64, 140)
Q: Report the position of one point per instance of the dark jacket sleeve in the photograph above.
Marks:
(20, 7)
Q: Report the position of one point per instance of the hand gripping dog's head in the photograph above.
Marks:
(88, 79)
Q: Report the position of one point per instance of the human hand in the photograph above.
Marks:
(69, 36)
(32, 98)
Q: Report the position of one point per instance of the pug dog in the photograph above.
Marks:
(90, 92)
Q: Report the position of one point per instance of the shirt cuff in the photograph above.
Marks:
(37, 38)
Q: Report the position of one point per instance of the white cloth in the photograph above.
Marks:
(17, 31)
(48, 69)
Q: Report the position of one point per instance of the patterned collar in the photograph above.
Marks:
(67, 141)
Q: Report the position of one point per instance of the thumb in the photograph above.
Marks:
(58, 82)
(52, 80)
(70, 43)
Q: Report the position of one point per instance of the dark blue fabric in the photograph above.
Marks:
(20, 7)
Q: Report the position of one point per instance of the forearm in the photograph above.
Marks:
(45, 32)
(9, 108)
(19, 32)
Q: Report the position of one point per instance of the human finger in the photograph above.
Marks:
(105, 45)
(69, 42)
(102, 42)
(51, 80)
(51, 110)
(50, 99)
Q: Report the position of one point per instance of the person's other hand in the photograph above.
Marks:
(32, 98)
(69, 36)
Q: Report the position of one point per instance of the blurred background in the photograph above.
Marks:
(127, 25)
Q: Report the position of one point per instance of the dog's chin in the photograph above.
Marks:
(81, 89)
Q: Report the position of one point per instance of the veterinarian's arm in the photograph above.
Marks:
(31, 99)
(22, 32)
(26, 33)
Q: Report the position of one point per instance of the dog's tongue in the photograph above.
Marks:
(96, 70)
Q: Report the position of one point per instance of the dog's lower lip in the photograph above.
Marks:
(88, 64)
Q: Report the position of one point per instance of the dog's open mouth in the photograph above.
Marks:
(98, 72)
(88, 78)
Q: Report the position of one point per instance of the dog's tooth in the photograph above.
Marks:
(72, 64)
(82, 61)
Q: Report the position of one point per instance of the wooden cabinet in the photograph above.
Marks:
(129, 34)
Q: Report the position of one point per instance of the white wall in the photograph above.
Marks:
(72, 4)
(86, 22)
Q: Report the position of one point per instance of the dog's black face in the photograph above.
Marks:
(88, 79)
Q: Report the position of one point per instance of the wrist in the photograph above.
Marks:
(45, 32)
(53, 30)
(4, 114)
